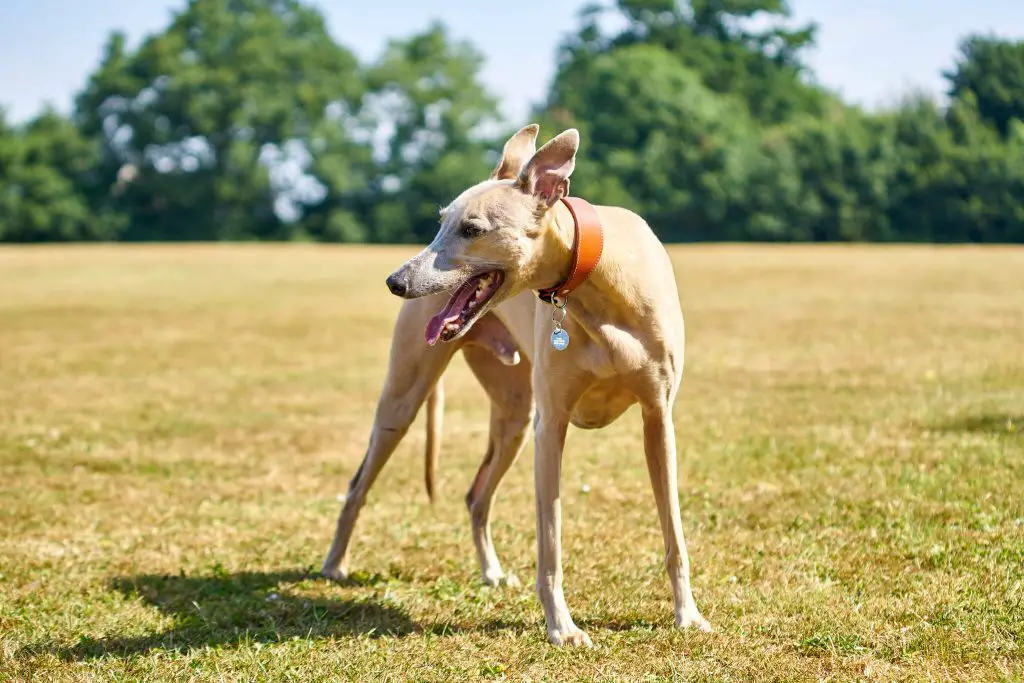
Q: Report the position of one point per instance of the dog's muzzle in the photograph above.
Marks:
(398, 283)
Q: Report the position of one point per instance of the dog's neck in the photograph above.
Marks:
(559, 236)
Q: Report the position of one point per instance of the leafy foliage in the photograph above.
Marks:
(196, 112)
(712, 131)
(244, 119)
(43, 166)
(992, 70)
(717, 39)
(426, 90)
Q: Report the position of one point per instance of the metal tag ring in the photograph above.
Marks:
(558, 319)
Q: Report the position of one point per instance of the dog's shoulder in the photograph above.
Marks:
(623, 226)
(618, 219)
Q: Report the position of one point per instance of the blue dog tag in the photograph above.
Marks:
(560, 339)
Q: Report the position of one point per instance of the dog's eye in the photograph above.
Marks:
(472, 229)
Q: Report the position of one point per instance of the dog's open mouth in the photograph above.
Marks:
(467, 301)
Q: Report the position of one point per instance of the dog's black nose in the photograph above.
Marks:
(397, 285)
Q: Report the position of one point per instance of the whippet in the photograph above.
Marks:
(582, 352)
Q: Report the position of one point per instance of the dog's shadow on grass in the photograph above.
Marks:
(228, 609)
(997, 423)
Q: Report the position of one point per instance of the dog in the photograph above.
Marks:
(475, 288)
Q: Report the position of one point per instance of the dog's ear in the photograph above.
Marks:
(546, 176)
(518, 150)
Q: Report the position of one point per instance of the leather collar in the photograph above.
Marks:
(586, 249)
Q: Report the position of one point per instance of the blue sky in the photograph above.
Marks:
(869, 50)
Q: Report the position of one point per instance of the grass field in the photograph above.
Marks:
(178, 423)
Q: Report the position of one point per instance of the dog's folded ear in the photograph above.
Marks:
(546, 175)
(518, 150)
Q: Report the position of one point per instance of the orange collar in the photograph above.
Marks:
(586, 249)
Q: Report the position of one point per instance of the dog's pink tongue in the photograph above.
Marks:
(450, 313)
(434, 328)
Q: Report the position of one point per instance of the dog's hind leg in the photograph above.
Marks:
(414, 369)
(490, 345)
(660, 452)
(511, 394)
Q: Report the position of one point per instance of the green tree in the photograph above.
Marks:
(343, 169)
(243, 119)
(44, 166)
(956, 179)
(197, 116)
(979, 196)
(678, 110)
(438, 125)
(659, 141)
(738, 47)
(923, 148)
(845, 161)
(992, 70)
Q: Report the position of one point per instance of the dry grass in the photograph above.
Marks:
(177, 423)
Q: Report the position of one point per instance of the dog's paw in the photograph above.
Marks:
(339, 574)
(507, 580)
(693, 619)
(570, 637)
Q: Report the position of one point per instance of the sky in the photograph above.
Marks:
(870, 51)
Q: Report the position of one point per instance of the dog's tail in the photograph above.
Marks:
(435, 416)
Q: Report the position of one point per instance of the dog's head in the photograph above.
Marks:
(488, 247)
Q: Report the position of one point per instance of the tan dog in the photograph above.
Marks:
(500, 242)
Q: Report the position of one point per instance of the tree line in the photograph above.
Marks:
(246, 120)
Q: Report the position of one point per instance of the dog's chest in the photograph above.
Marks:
(602, 404)
(610, 351)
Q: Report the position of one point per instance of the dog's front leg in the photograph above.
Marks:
(550, 428)
(414, 368)
(660, 451)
